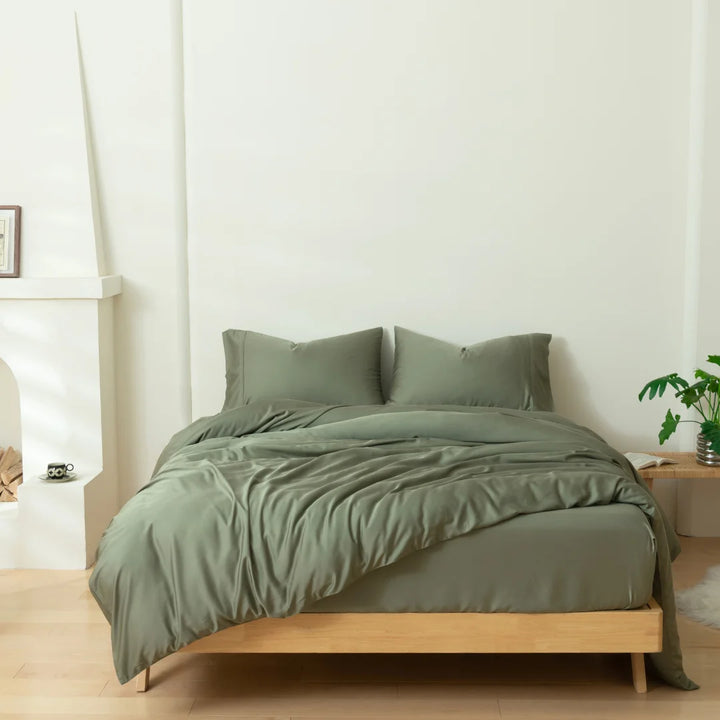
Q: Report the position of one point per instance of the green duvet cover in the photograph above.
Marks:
(263, 510)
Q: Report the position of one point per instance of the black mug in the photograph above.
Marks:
(56, 471)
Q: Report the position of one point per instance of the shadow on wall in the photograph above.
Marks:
(571, 392)
(10, 432)
(387, 359)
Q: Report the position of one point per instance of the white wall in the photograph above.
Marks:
(132, 94)
(131, 54)
(44, 164)
(698, 500)
(465, 169)
(709, 326)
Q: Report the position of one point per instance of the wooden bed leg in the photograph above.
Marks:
(638, 671)
(142, 681)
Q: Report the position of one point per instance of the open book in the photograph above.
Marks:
(643, 460)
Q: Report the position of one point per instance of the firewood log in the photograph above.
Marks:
(7, 476)
(10, 457)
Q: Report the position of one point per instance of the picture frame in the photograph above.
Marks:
(9, 241)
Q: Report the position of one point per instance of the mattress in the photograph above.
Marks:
(582, 559)
(262, 510)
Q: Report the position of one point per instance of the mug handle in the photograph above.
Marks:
(69, 467)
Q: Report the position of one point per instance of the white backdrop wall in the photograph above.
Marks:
(466, 169)
(709, 326)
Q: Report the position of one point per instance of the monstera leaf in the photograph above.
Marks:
(701, 397)
(712, 382)
(711, 430)
(690, 395)
(669, 426)
(659, 385)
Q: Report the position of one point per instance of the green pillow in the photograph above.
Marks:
(342, 370)
(509, 372)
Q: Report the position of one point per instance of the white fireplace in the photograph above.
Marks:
(56, 335)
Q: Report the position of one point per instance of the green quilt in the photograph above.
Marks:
(262, 510)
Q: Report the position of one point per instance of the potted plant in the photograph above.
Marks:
(704, 396)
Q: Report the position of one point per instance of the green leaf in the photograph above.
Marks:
(713, 382)
(715, 359)
(677, 382)
(657, 388)
(659, 385)
(669, 426)
(688, 397)
(699, 388)
(645, 389)
(711, 430)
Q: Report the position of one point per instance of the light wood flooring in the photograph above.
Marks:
(55, 663)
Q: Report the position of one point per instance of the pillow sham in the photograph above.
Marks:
(341, 370)
(510, 372)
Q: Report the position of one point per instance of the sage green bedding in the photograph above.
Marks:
(263, 510)
(342, 369)
(508, 372)
(589, 558)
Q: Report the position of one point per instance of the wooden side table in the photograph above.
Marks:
(687, 467)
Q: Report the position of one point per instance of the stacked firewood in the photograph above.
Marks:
(11, 474)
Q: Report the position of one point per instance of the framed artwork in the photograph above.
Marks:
(9, 241)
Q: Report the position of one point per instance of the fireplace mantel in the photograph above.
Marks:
(57, 288)
(56, 336)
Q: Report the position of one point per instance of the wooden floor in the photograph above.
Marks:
(55, 663)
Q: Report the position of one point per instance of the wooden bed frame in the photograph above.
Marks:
(612, 631)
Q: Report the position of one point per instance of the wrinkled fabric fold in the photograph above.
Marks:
(263, 510)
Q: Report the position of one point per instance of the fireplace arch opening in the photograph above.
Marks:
(10, 433)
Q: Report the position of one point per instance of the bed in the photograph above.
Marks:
(299, 526)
